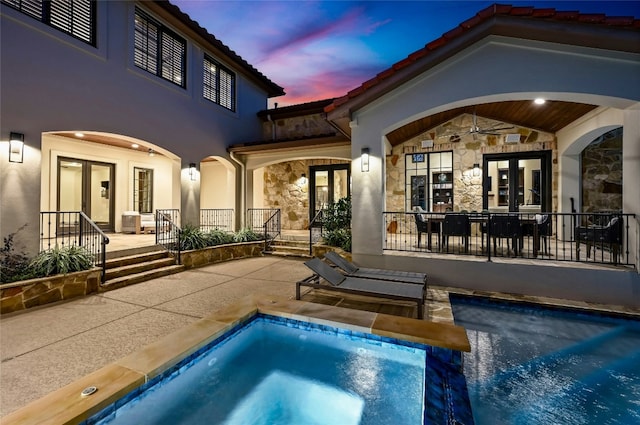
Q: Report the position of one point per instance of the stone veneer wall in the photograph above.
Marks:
(297, 127)
(602, 173)
(467, 188)
(17, 296)
(283, 189)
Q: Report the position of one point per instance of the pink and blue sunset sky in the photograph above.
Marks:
(323, 49)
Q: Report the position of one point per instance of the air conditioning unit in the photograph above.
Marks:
(512, 138)
(427, 144)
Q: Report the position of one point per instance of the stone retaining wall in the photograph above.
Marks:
(25, 294)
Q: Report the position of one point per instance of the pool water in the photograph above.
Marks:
(270, 372)
(544, 366)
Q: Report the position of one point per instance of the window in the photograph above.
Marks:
(219, 84)
(143, 190)
(74, 17)
(158, 50)
(429, 181)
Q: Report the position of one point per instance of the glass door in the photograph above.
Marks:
(517, 182)
(328, 184)
(87, 186)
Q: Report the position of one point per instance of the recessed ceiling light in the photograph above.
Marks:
(135, 146)
(539, 101)
(78, 134)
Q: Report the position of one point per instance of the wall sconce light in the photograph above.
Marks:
(152, 152)
(192, 171)
(303, 179)
(476, 169)
(16, 147)
(365, 160)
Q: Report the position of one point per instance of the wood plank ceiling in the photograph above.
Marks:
(549, 117)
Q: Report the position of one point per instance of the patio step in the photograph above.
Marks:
(290, 248)
(134, 266)
(131, 279)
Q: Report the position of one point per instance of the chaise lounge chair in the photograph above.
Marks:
(352, 270)
(352, 285)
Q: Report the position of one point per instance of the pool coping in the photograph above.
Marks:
(67, 406)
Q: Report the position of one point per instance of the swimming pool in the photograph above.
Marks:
(548, 366)
(277, 371)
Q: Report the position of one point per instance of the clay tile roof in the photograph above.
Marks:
(480, 17)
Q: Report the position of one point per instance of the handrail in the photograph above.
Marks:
(265, 220)
(272, 222)
(317, 219)
(74, 228)
(537, 235)
(168, 233)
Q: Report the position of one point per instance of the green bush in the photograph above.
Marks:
(337, 224)
(14, 265)
(247, 235)
(340, 238)
(58, 260)
(219, 237)
(192, 237)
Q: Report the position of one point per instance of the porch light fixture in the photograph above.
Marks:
(303, 178)
(16, 147)
(365, 160)
(476, 169)
(192, 171)
(151, 152)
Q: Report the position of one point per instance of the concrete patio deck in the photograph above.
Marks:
(46, 348)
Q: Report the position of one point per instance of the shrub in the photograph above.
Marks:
(219, 237)
(192, 237)
(61, 261)
(340, 238)
(14, 266)
(337, 224)
(247, 235)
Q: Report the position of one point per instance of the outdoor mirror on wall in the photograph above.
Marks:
(16, 147)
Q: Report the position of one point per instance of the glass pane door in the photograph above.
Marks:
(70, 185)
(99, 194)
(88, 187)
(328, 184)
(517, 182)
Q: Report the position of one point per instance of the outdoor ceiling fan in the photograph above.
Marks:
(475, 130)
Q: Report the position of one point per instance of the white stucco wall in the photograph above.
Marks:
(495, 70)
(53, 82)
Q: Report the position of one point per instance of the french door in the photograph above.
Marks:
(87, 186)
(328, 184)
(517, 182)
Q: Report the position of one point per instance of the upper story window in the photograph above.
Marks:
(158, 50)
(74, 17)
(219, 84)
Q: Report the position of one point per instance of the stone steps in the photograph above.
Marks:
(290, 248)
(129, 267)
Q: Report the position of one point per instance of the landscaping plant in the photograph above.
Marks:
(58, 260)
(337, 224)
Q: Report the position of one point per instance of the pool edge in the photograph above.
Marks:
(67, 406)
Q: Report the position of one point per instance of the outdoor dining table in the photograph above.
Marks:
(480, 218)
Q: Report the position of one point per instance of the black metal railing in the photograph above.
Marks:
(316, 229)
(220, 219)
(265, 221)
(582, 237)
(74, 228)
(168, 232)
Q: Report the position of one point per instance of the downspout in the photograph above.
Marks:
(243, 188)
(273, 127)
